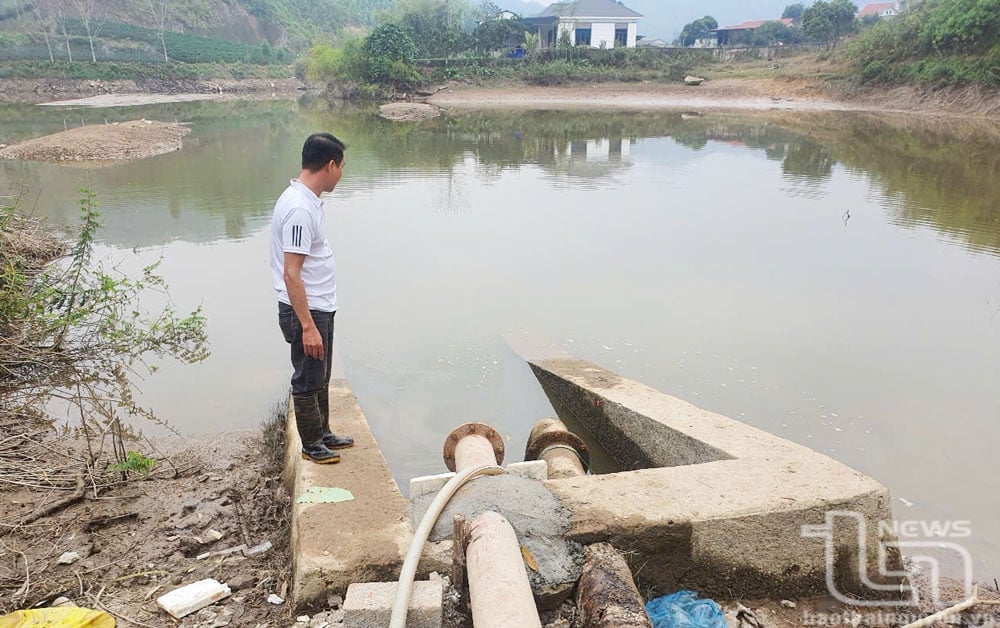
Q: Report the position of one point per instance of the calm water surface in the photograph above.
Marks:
(833, 279)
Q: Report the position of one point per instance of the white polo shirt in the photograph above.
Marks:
(299, 226)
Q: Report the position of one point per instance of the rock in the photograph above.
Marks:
(788, 603)
(274, 599)
(68, 558)
(334, 601)
(302, 619)
(241, 582)
(63, 601)
(214, 617)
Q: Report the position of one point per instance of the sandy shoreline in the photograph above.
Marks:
(724, 94)
(727, 94)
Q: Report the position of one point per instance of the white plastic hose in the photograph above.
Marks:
(404, 590)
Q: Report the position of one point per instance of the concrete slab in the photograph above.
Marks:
(365, 539)
(706, 502)
(532, 469)
(369, 605)
(428, 484)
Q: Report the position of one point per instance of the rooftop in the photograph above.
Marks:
(878, 8)
(589, 8)
(752, 24)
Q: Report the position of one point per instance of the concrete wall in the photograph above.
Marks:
(602, 33)
(708, 503)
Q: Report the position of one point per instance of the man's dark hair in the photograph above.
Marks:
(320, 149)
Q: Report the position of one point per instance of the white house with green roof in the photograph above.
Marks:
(593, 23)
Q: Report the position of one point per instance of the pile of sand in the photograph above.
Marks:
(119, 141)
(408, 111)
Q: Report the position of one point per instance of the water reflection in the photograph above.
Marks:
(220, 185)
(706, 255)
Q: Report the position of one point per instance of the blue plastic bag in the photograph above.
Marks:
(684, 610)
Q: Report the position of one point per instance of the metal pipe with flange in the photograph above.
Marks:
(499, 589)
(564, 452)
(472, 444)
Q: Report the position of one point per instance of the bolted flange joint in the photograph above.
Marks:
(472, 429)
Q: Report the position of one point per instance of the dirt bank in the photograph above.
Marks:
(139, 540)
(102, 143)
(16, 90)
(724, 94)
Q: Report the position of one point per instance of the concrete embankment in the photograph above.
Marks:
(701, 502)
(338, 543)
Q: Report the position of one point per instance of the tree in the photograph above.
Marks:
(437, 28)
(698, 29)
(92, 13)
(160, 9)
(829, 21)
(771, 33)
(61, 19)
(46, 21)
(497, 34)
(793, 11)
(390, 53)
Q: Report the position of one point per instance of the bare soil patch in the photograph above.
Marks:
(102, 143)
(43, 90)
(141, 539)
(721, 94)
(804, 84)
(129, 100)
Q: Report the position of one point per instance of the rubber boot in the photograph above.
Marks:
(331, 440)
(311, 426)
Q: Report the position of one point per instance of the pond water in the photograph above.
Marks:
(831, 278)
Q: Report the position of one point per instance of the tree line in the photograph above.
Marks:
(823, 21)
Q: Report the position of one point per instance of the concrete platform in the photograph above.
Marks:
(363, 540)
(706, 502)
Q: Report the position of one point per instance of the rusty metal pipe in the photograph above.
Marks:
(564, 452)
(472, 444)
(606, 595)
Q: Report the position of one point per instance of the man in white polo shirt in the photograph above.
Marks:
(304, 275)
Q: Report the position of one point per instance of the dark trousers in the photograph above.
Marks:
(311, 377)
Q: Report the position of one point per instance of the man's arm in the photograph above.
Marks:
(312, 342)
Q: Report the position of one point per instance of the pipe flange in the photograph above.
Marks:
(566, 439)
(470, 429)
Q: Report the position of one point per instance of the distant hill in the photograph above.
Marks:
(280, 23)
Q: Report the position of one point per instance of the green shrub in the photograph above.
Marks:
(940, 42)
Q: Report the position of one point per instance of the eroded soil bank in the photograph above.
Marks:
(18, 90)
(737, 94)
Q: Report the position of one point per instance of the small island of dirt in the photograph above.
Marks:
(102, 143)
